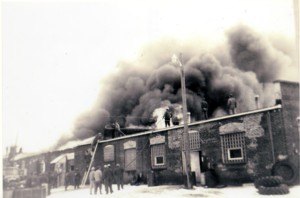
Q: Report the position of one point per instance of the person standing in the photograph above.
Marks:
(108, 177)
(98, 180)
(231, 104)
(167, 117)
(104, 178)
(204, 107)
(67, 180)
(119, 176)
(92, 179)
(76, 179)
(72, 178)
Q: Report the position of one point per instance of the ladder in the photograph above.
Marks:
(86, 173)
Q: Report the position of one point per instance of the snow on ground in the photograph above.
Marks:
(143, 191)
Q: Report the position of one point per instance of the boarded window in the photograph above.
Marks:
(195, 140)
(109, 153)
(233, 148)
(130, 159)
(158, 156)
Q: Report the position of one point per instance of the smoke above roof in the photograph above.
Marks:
(243, 67)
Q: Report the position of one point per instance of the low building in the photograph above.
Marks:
(232, 149)
(235, 148)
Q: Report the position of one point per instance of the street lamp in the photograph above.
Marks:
(187, 152)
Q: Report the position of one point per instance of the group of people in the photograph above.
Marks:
(231, 108)
(72, 178)
(97, 177)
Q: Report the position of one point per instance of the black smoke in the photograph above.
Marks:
(136, 89)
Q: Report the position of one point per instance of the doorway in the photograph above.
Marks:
(199, 165)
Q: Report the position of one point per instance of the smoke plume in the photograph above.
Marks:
(137, 89)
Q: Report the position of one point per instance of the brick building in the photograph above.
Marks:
(234, 148)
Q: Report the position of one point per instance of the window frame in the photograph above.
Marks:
(232, 141)
(235, 158)
(158, 150)
(159, 164)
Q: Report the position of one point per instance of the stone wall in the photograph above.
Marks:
(290, 110)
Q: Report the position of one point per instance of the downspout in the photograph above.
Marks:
(271, 135)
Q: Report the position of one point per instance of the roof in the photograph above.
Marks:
(20, 156)
(75, 143)
(286, 81)
(68, 156)
(196, 123)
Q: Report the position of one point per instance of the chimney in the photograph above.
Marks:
(256, 101)
(189, 117)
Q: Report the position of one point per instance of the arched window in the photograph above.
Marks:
(158, 152)
(130, 155)
(109, 153)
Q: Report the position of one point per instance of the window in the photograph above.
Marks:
(109, 153)
(233, 148)
(159, 160)
(158, 155)
(235, 154)
(130, 159)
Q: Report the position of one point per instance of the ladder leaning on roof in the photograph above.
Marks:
(86, 173)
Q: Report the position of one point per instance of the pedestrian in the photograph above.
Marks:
(72, 178)
(108, 177)
(204, 107)
(98, 180)
(52, 180)
(167, 116)
(231, 104)
(76, 179)
(67, 180)
(119, 176)
(92, 179)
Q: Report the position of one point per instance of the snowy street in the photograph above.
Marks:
(246, 191)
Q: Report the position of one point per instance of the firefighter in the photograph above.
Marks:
(108, 176)
(98, 180)
(76, 179)
(119, 176)
(92, 180)
(231, 104)
(99, 136)
(167, 117)
(204, 107)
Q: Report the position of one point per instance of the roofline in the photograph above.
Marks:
(194, 123)
(25, 155)
(286, 81)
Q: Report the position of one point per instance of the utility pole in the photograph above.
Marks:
(186, 138)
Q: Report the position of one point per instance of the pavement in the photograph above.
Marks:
(171, 191)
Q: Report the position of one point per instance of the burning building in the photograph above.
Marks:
(237, 147)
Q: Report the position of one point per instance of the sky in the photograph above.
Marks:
(55, 53)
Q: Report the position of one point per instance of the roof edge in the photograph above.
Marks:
(194, 123)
